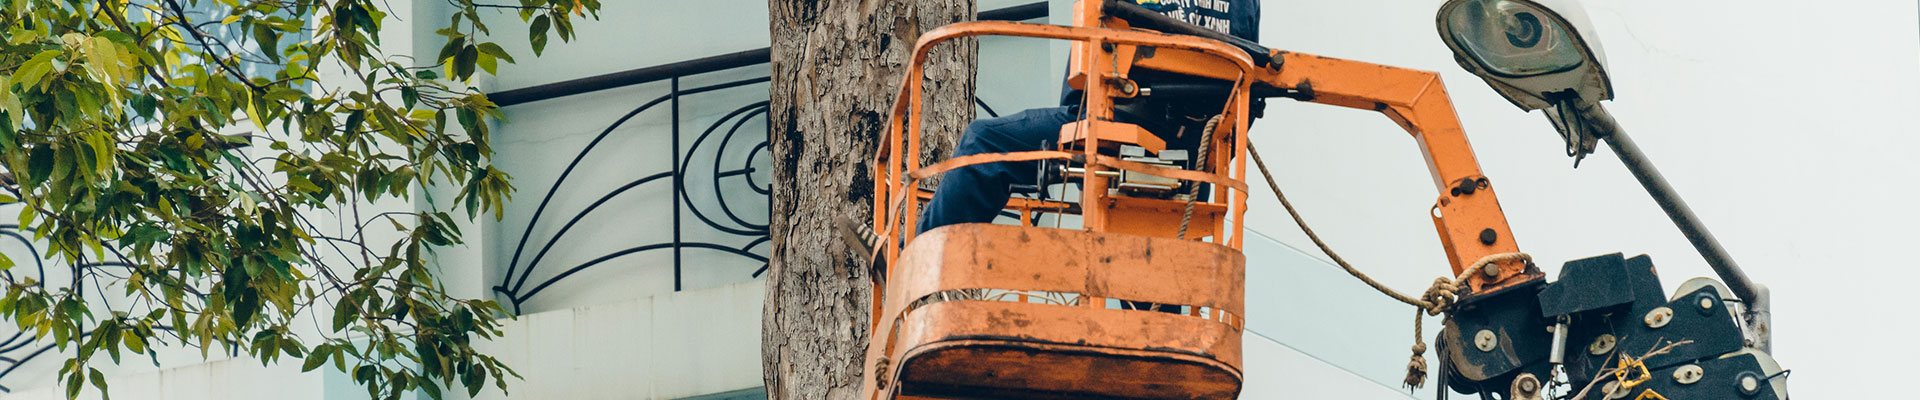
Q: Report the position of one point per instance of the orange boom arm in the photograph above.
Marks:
(1467, 214)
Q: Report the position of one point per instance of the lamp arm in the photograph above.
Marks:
(1758, 313)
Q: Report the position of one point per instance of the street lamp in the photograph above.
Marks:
(1539, 55)
(1537, 58)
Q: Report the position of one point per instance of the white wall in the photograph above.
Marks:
(632, 34)
(218, 380)
(662, 347)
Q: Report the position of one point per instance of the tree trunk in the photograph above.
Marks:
(837, 66)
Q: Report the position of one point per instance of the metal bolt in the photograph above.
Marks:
(1614, 391)
(1659, 317)
(1488, 236)
(1526, 387)
(1689, 374)
(1528, 383)
(1749, 383)
(1492, 270)
(1601, 345)
(1485, 340)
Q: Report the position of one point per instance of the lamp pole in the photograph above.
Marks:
(1758, 314)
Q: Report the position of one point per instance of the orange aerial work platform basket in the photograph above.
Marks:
(1036, 340)
(1124, 306)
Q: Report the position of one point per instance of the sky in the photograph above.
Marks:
(1785, 124)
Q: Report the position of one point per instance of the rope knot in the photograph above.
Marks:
(1417, 365)
(1416, 369)
(1441, 296)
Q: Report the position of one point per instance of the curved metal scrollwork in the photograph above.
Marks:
(518, 284)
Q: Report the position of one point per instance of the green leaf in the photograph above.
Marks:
(493, 49)
(39, 165)
(365, 373)
(245, 308)
(31, 72)
(102, 154)
(63, 162)
(489, 63)
(10, 103)
(432, 389)
(537, 33)
(253, 111)
(315, 359)
(103, 60)
(134, 341)
(74, 383)
(22, 37)
(464, 62)
(269, 41)
(343, 313)
(475, 379)
(27, 215)
(340, 358)
(99, 381)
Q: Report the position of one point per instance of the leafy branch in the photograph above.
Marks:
(131, 135)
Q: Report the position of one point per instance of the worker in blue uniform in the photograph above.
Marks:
(977, 193)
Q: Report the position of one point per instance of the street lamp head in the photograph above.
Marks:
(1536, 53)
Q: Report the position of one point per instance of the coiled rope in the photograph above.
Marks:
(1439, 298)
(1206, 146)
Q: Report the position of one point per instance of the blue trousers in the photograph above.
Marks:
(977, 193)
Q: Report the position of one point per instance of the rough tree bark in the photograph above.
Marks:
(836, 68)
